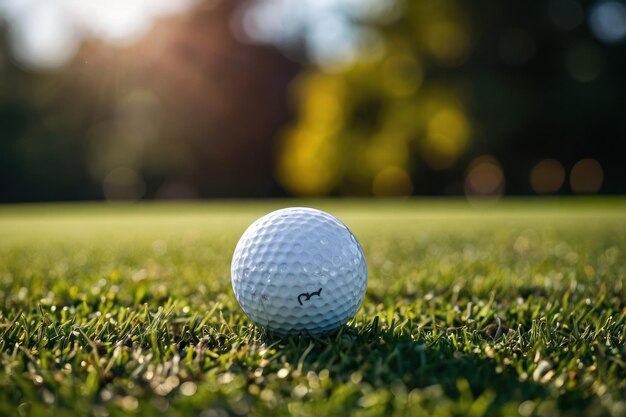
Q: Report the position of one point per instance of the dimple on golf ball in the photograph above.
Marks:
(299, 271)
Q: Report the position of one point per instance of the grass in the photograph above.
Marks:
(513, 309)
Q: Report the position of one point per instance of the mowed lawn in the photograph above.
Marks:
(517, 308)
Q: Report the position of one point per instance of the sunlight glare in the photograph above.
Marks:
(47, 33)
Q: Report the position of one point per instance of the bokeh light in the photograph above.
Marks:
(608, 21)
(586, 176)
(384, 149)
(208, 98)
(442, 32)
(47, 33)
(392, 182)
(447, 136)
(584, 61)
(338, 32)
(484, 180)
(320, 100)
(44, 37)
(401, 75)
(331, 31)
(547, 176)
(446, 41)
(307, 168)
(308, 151)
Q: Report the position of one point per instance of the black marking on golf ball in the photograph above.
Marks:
(307, 295)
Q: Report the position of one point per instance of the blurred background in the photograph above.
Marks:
(126, 100)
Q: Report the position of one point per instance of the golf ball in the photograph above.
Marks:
(299, 271)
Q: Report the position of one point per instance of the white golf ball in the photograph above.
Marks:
(299, 271)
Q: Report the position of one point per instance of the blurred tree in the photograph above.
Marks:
(186, 111)
(402, 98)
(41, 156)
(449, 81)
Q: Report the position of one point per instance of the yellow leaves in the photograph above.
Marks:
(306, 157)
(401, 75)
(447, 135)
(441, 29)
(452, 124)
(384, 150)
(447, 42)
(321, 101)
(391, 182)
(359, 132)
(305, 163)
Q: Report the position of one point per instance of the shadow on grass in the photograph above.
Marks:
(375, 359)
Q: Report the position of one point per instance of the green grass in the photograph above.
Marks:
(518, 308)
